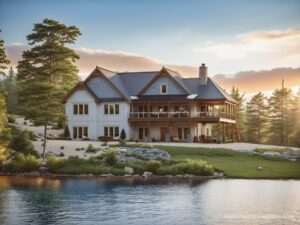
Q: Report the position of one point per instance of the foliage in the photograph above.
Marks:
(256, 119)
(153, 166)
(54, 163)
(46, 72)
(92, 149)
(3, 59)
(21, 142)
(282, 113)
(11, 118)
(5, 134)
(23, 163)
(194, 167)
(67, 132)
(240, 115)
(110, 157)
(123, 135)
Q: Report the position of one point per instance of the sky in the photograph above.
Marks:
(251, 44)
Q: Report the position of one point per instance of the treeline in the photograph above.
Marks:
(271, 120)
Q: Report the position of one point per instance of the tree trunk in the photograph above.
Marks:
(45, 140)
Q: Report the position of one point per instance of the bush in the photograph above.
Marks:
(11, 118)
(104, 144)
(23, 163)
(53, 163)
(67, 132)
(138, 167)
(92, 149)
(123, 135)
(110, 157)
(153, 166)
(194, 167)
(21, 142)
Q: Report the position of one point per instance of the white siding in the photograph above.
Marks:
(96, 119)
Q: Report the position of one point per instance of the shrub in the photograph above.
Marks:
(104, 144)
(153, 166)
(110, 157)
(92, 149)
(123, 135)
(23, 163)
(53, 163)
(21, 142)
(11, 118)
(62, 147)
(138, 167)
(67, 132)
(194, 167)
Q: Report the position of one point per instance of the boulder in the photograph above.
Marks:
(128, 170)
(218, 174)
(147, 174)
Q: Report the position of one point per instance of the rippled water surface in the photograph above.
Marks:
(103, 201)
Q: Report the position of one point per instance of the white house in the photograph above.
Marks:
(157, 106)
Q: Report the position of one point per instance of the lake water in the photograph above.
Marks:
(109, 201)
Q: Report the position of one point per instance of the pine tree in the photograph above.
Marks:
(4, 130)
(296, 136)
(9, 87)
(47, 72)
(240, 114)
(282, 113)
(256, 118)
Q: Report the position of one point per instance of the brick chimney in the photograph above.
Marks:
(203, 74)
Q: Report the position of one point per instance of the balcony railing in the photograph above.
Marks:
(146, 115)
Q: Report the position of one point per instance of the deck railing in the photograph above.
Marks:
(143, 115)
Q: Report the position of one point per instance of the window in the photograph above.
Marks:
(116, 131)
(105, 109)
(80, 132)
(163, 89)
(75, 109)
(117, 111)
(106, 131)
(111, 109)
(111, 131)
(80, 109)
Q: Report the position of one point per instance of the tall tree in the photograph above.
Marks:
(282, 112)
(4, 130)
(9, 87)
(47, 72)
(256, 118)
(296, 136)
(240, 111)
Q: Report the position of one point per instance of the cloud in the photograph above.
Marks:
(255, 81)
(248, 81)
(271, 44)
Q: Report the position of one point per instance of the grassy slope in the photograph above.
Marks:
(236, 164)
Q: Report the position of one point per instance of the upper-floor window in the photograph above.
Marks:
(111, 109)
(163, 88)
(80, 109)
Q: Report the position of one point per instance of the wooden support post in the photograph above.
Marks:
(219, 132)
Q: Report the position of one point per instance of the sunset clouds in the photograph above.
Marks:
(270, 44)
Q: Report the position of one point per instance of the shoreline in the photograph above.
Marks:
(186, 177)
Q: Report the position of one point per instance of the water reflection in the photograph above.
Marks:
(152, 201)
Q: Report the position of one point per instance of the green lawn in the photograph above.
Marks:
(237, 164)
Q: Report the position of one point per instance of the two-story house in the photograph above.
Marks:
(154, 106)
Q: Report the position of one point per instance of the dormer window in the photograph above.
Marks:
(163, 88)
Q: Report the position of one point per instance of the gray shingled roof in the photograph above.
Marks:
(131, 83)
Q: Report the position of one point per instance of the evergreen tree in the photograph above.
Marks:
(4, 130)
(296, 137)
(256, 118)
(240, 114)
(47, 72)
(282, 113)
(9, 87)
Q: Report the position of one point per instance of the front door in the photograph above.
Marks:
(163, 132)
